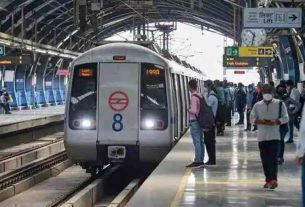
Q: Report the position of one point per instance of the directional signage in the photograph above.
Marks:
(256, 52)
(231, 51)
(2, 50)
(240, 62)
(272, 17)
(249, 51)
(16, 60)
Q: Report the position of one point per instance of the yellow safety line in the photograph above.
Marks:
(180, 191)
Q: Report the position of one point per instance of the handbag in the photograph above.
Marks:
(283, 127)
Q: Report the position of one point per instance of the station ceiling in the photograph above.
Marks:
(53, 19)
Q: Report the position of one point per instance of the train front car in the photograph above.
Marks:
(118, 107)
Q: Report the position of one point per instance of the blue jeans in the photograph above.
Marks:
(303, 184)
(197, 137)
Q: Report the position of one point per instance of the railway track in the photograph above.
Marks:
(9, 178)
(7, 155)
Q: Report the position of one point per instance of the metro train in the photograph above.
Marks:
(125, 103)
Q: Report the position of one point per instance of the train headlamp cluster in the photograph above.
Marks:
(153, 124)
(84, 124)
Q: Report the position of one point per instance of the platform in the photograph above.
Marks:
(20, 120)
(236, 180)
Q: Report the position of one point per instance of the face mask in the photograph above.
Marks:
(267, 96)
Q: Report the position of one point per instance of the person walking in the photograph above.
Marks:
(292, 108)
(301, 152)
(268, 115)
(293, 121)
(209, 135)
(241, 100)
(196, 131)
(250, 96)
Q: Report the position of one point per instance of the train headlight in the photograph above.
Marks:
(83, 124)
(149, 124)
(153, 124)
(86, 123)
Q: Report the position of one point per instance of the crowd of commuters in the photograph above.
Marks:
(273, 111)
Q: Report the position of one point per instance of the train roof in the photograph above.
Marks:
(136, 53)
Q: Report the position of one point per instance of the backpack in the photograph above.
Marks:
(205, 116)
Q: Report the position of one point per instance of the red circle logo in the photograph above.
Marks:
(118, 101)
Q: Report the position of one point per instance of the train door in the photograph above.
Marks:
(178, 97)
(184, 112)
(118, 101)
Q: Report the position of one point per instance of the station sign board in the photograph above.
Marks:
(239, 62)
(256, 52)
(244, 62)
(16, 60)
(249, 51)
(272, 18)
(2, 50)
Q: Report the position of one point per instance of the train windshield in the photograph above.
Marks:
(153, 91)
(83, 93)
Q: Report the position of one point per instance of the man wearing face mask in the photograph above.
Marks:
(268, 117)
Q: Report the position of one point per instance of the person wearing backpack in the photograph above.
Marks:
(196, 130)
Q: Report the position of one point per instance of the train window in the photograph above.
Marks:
(153, 90)
(83, 97)
(154, 112)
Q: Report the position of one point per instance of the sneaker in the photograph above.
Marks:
(239, 123)
(289, 141)
(267, 185)
(195, 165)
(210, 163)
(273, 184)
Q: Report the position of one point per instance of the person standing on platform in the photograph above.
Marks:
(268, 116)
(250, 96)
(210, 136)
(293, 121)
(221, 109)
(4, 101)
(292, 108)
(196, 131)
(258, 96)
(228, 101)
(301, 153)
(241, 100)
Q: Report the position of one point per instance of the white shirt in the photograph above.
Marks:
(271, 111)
(295, 94)
(301, 143)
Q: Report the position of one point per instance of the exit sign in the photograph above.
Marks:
(232, 51)
(2, 50)
(239, 72)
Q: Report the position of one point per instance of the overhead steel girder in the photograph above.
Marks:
(216, 14)
(15, 42)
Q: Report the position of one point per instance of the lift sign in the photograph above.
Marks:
(118, 102)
